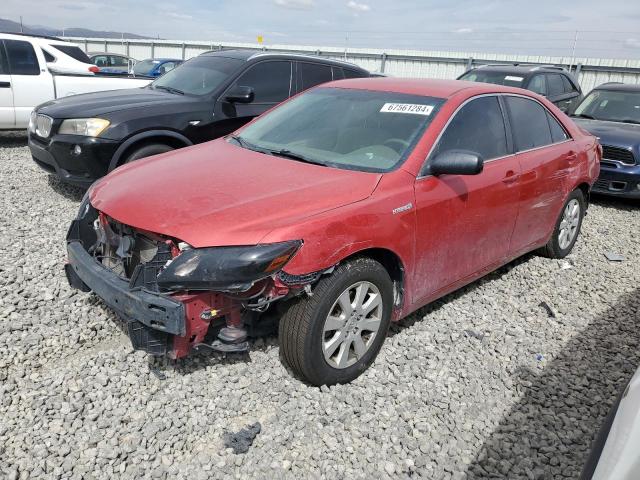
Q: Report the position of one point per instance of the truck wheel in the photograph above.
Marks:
(147, 151)
(567, 227)
(334, 335)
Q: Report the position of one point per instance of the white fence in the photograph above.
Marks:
(400, 63)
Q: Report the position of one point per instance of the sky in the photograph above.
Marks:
(545, 27)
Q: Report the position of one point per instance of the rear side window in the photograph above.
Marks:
(338, 73)
(22, 58)
(271, 81)
(73, 51)
(538, 85)
(558, 133)
(477, 127)
(554, 85)
(47, 56)
(352, 74)
(312, 74)
(529, 123)
(4, 66)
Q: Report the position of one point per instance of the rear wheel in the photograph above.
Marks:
(567, 227)
(147, 151)
(335, 334)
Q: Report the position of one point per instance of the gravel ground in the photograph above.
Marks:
(483, 383)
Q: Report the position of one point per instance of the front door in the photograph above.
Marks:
(7, 112)
(465, 222)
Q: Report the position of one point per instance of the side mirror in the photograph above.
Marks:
(240, 94)
(456, 162)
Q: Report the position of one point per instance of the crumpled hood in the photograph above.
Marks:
(217, 194)
(612, 133)
(88, 105)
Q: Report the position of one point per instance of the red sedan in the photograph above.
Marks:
(339, 211)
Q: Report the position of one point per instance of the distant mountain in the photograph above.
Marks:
(9, 26)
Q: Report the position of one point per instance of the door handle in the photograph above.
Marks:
(510, 177)
(5, 84)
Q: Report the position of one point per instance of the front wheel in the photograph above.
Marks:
(335, 334)
(147, 151)
(567, 227)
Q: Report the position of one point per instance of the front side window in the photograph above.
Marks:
(22, 58)
(198, 76)
(529, 123)
(101, 61)
(612, 105)
(343, 128)
(477, 127)
(271, 81)
(119, 61)
(144, 67)
(312, 74)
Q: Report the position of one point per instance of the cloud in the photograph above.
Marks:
(463, 30)
(296, 4)
(632, 43)
(179, 16)
(358, 7)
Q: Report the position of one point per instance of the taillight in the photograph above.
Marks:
(94, 69)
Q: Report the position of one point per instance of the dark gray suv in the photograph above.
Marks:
(550, 81)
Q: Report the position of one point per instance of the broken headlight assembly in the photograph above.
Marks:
(228, 269)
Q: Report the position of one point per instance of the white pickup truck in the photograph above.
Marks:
(34, 70)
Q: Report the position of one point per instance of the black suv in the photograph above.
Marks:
(555, 83)
(81, 138)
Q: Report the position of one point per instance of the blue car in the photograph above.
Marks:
(154, 67)
(611, 112)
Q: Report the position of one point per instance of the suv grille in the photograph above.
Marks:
(43, 125)
(619, 154)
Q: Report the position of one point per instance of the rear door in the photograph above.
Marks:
(7, 112)
(546, 155)
(561, 91)
(465, 222)
(32, 84)
(311, 74)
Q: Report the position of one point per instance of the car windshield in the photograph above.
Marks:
(613, 105)
(144, 67)
(497, 78)
(344, 128)
(200, 75)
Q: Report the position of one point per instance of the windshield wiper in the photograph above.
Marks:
(169, 89)
(583, 115)
(294, 156)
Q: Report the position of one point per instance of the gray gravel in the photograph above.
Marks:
(486, 382)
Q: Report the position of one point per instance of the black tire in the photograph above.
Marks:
(147, 151)
(553, 249)
(301, 327)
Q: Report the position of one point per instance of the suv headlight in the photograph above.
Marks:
(88, 127)
(226, 268)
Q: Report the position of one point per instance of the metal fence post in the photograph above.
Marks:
(577, 72)
(153, 49)
(106, 46)
(383, 62)
(127, 48)
(183, 50)
(86, 45)
(469, 63)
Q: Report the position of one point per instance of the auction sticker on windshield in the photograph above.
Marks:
(412, 108)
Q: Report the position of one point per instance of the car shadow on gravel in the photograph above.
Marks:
(70, 192)
(13, 139)
(548, 433)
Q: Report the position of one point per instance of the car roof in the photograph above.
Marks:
(38, 39)
(523, 70)
(425, 87)
(247, 55)
(621, 87)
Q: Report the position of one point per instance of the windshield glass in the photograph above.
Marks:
(144, 67)
(614, 105)
(344, 128)
(497, 78)
(200, 75)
